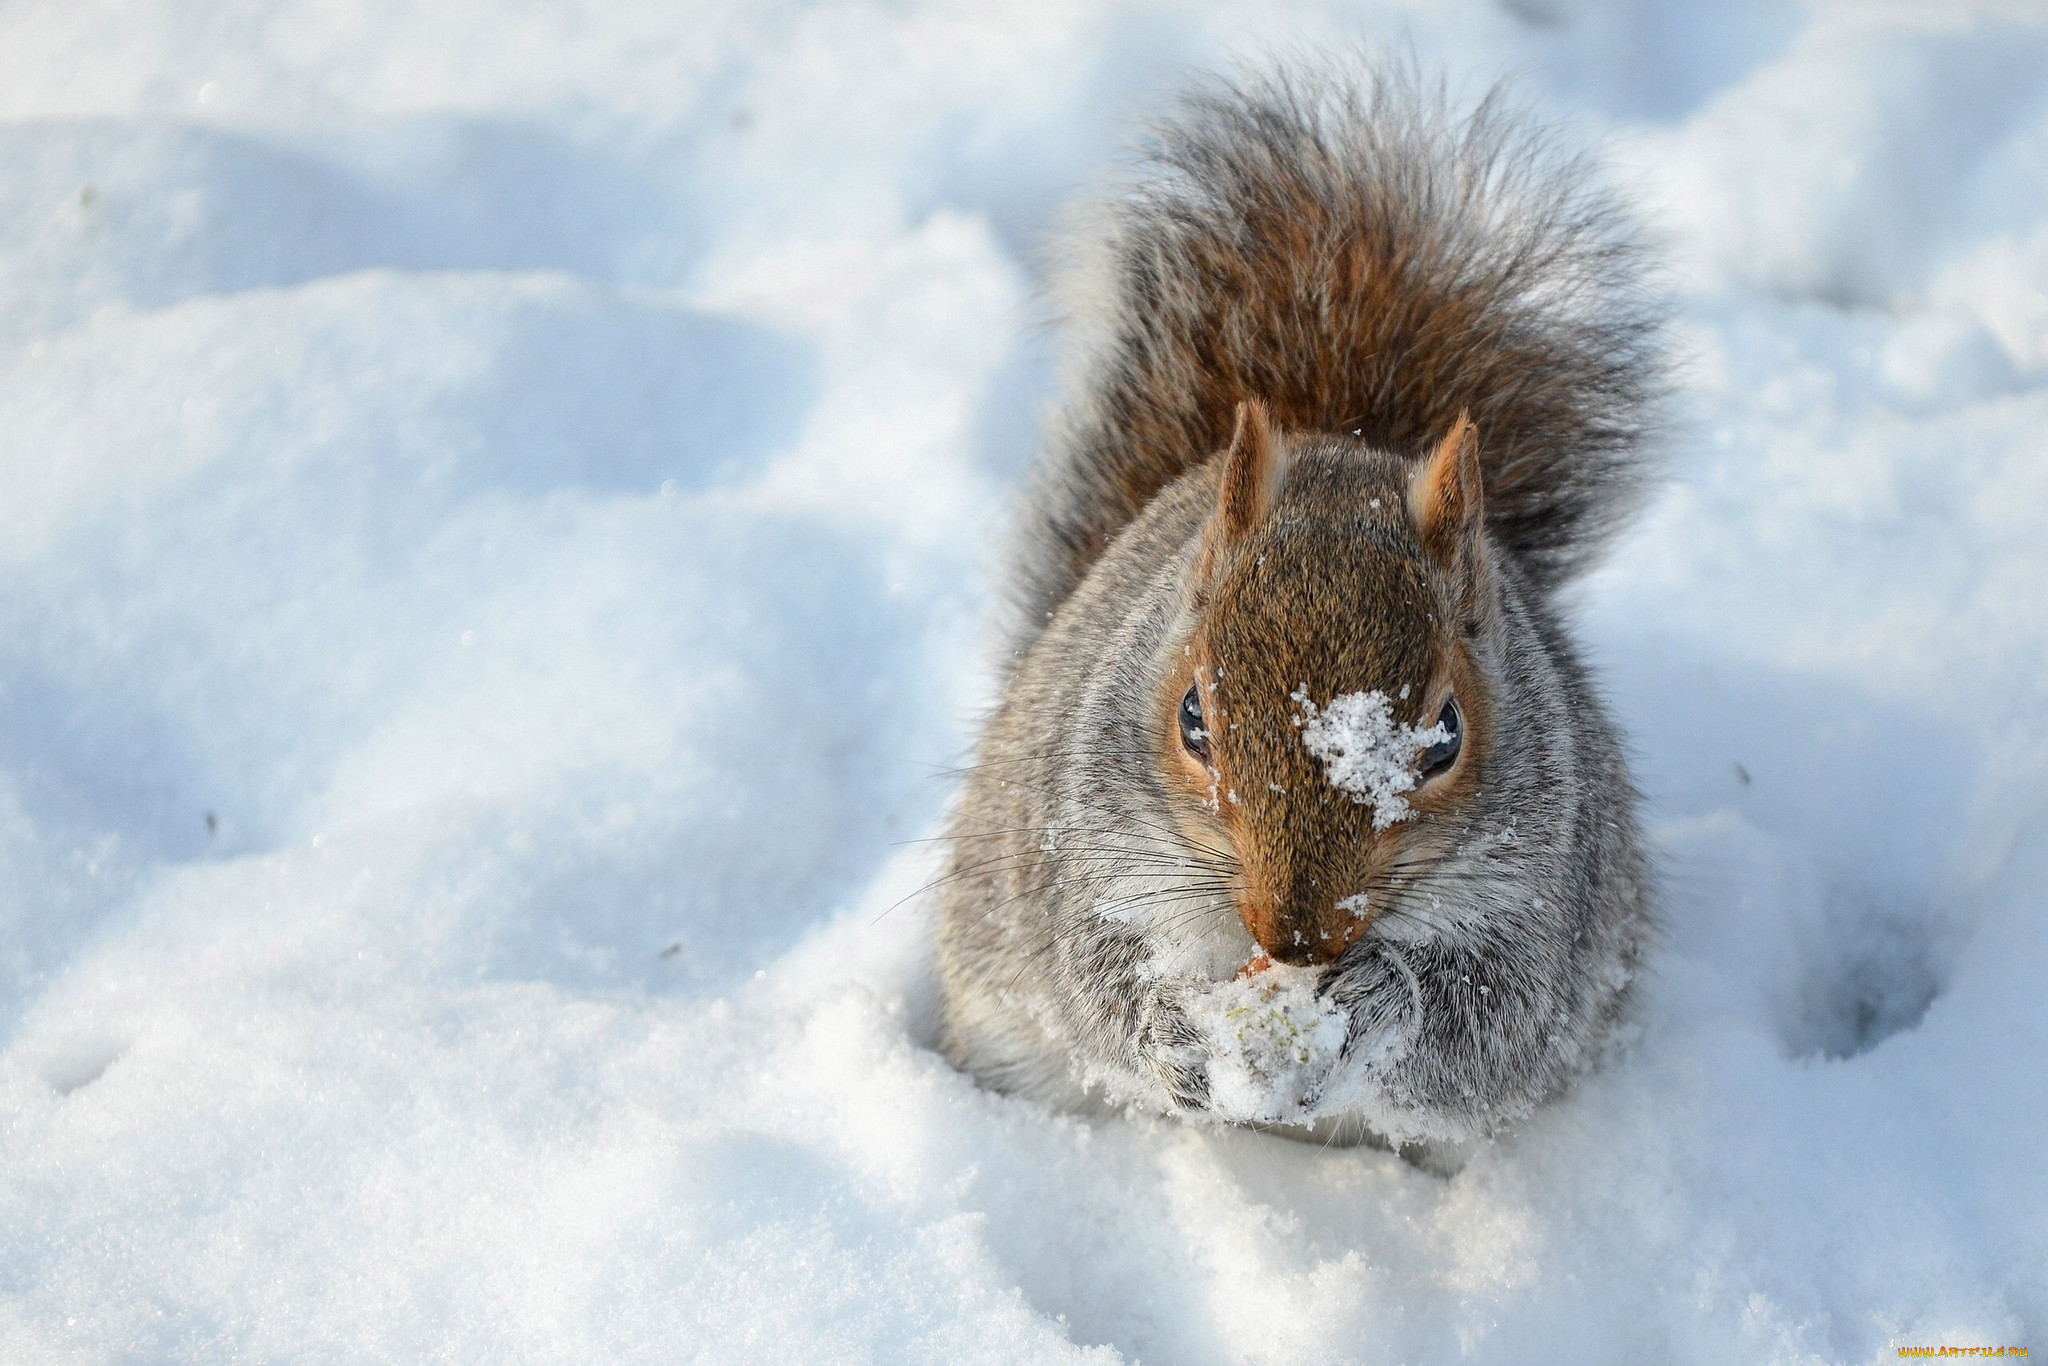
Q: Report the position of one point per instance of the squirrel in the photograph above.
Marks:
(1298, 807)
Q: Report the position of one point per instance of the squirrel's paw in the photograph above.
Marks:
(1382, 1002)
(1174, 1055)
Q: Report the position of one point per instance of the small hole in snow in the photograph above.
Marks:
(1872, 971)
(78, 1062)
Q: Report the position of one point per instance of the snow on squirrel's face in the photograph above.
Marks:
(1327, 710)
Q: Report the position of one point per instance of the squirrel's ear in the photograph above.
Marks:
(1254, 472)
(1448, 505)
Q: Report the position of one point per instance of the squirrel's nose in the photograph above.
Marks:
(1304, 948)
(1297, 931)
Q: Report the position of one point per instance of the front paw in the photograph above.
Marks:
(1439, 1042)
(1174, 1055)
(1381, 1000)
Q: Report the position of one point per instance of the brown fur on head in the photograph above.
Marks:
(1329, 564)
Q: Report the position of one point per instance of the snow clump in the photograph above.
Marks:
(1364, 750)
(1271, 1043)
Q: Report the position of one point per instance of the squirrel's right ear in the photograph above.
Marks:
(1448, 506)
(1254, 472)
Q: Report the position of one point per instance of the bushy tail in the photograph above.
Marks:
(1345, 247)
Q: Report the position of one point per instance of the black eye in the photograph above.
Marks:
(1191, 733)
(1444, 752)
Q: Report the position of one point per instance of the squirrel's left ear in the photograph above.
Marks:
(1448, 506)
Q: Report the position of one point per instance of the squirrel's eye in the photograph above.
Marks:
(1444, 752)
(1192, 735)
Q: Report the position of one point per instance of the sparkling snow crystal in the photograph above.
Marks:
(1364, 750)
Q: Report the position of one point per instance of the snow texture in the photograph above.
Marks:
(493, 579)
(1272, 1043)
(1364, 750)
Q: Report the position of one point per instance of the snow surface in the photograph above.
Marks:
(1365, 751)
(492, 576)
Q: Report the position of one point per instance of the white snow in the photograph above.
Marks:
(1272, 1043)
(1364, 751)
(492, 575)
